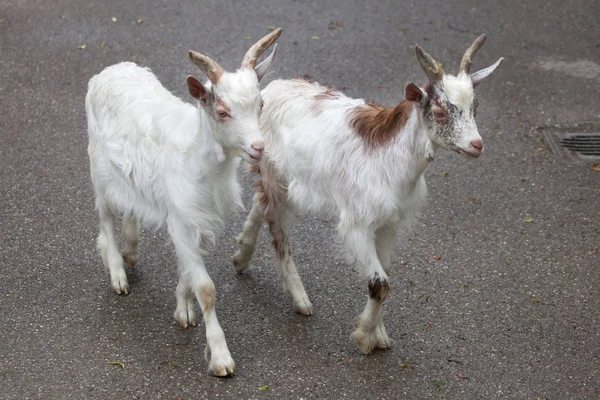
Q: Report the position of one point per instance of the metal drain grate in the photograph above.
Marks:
(585, 146)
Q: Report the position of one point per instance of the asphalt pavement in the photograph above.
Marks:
(494, 294)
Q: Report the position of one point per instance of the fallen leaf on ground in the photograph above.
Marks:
(596, 167)
(271, 28)
(102, 45)
(82, 47)
(140, 21)
(314, 37)
(117, 363)
(114, 19)
(248, 37)
(528, 220)
(264, 388)
(437, 258)
(437, 384)
(535, 299)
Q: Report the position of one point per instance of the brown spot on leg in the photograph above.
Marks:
(378, 288)
(206, 295)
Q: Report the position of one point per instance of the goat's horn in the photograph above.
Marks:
(259, 48)
(213, 70)
(432, 68)
(465, 64)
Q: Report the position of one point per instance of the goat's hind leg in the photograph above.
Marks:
(109, 250)
(249, 236)
(131, 236)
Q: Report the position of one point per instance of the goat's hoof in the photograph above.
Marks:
(186, 317)
(240, 263)
(303, 306)
(368, 341)
(221, 366)
(130, 259)
(119, 283)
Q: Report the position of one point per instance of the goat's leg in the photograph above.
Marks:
(370, 332)
(292, 283)
(184, 313)
(109, 250)
(249, 236)
(131, 236)
(195, 277)
(385, 240)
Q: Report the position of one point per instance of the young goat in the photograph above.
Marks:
(157, 159)
(361, 162)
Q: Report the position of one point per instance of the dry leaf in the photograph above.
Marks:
(528, 220)
(535, 299)
(102, 45)
(140, 21)
(82, 47)
(596, 167)
(117, 363)
(114, 19)
(437, 258)
(314, 37)
(264, 388)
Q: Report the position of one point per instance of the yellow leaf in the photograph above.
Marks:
(271, 28)
(140, 21)
(535, 299)
(264, 388)
(117, 363)
(596, 167)
(82, 47)
(248, 37)
(528, 220)
(102, 45)
(314, 37)
(114, 19)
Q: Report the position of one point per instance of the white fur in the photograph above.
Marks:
(158, 159)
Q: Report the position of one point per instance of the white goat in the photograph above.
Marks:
(157, 159)
(361, 162)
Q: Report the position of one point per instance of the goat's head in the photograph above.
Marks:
(232, 99)
(448, 102)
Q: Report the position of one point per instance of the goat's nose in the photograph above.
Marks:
(258, 146)
(478, 144)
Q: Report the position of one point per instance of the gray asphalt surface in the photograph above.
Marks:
(509, 310)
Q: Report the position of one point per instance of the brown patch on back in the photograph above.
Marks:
(376, 124)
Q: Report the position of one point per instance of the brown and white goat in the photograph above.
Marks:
(364, 163)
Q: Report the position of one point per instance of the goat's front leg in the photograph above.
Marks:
(195, 279)
(249, 236)
(370, 332)
(292, 283)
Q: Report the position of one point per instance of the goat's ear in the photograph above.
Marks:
(196, 88)
(477, 77)
(415, 94)
(262, 68)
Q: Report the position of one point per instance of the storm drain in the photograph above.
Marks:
(585, 146)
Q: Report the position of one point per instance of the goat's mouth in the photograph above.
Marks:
(470, 153)
(251, 158)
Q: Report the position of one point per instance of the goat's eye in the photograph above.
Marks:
(223, 114)
(439, 115)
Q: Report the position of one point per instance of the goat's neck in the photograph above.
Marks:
(413, 150)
